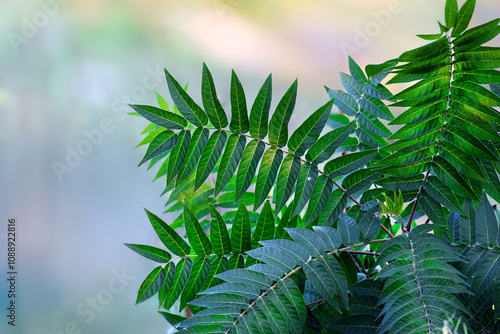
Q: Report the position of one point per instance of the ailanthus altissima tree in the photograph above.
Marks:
(314, 231)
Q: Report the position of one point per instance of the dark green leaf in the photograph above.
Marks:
(210, 156)
(182, 272)
(319, 199)
(168, 236)
(356, 72)
(196, 235)
(304, 187)
(351, 86)
(348, 163)
(345, 102)
(432, 208)
(451, 13)
(193, 155)
(197, 277)
(240, 232)
(239, 115)
(308, 132)
(468, 224)
(486, 223)
(260, 110)
(150, 252)
(218, 233)
(264, 230)
(267, 175)
(230, 160)
(248, 165)
(212, 105)
(330, 236)
(162, 143)
(151, 285)
(375, 107)
(177, 155)
(348, 229)
(278, 125)
(444, 195)
(326, 146)
(287, 177)
(451, 177)
(369, 225)
(187, 107)
(160, 117)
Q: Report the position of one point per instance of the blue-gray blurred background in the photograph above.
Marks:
(67, 70)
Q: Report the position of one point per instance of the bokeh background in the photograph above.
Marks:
(67, 70)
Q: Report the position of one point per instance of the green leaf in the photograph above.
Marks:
(151, 285)
(345, 102)
(197, 277)
(451, 177)
(219, 265)
(210, 156)
(349, 231)
(326, 146)
(468, 223)
(444, 195)
(246, 276)
(432, 208)
(351, 86)
(360, 179)
(162, 142)
(330, 236)
(172, 319)
(493, 185)
(186, 105)
(259, 114)
(160, 117)
(417, 129)
(376, 108)
(348, 163)
(287, 177)
(308, 132)
(290, 303)
(150, 252)
(464, 17)
(241, 231)
(369, 225)
(278, 126)
(274, 257)
(162, 102)
(463, 162)
(221, 300)
(319, 199)
(336, 204)
(477, 129)
(193, 155)
(356, 72)
(177, 155)
(218, 233)
(230, 160)
(264, 230)
(182, 272)
(304, 187)
(451, 13)
(168, 236)
(486, 223)
(196, 235)
(212, 105)
(401, 183)
(267, 175)
(248, 165)
(477, 93)
(239, 115)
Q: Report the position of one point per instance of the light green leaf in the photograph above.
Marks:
(168, 236)
(260, 110)
(241, 231)
(160, 117)
(348, 163)
(163, 142)
(467, 142)
(477, 129)
(185, 104)
(475, 92)
(349, 231)
(162, 102)
(248, 166)
(218, 233)
(212, 105)
(199, 274)
(267, 175)
(150, 252)
(210, 156)
(177, 155)
(308, 132)
(193, 155)
(182, 273)
(413, 130)
(230, 160)
(287, 177)
(278, 125)
(196, 235)
(151, 285)
(239, 115)
(326, 146)
(486, 223)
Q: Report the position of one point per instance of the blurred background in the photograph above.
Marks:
(68, 164)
